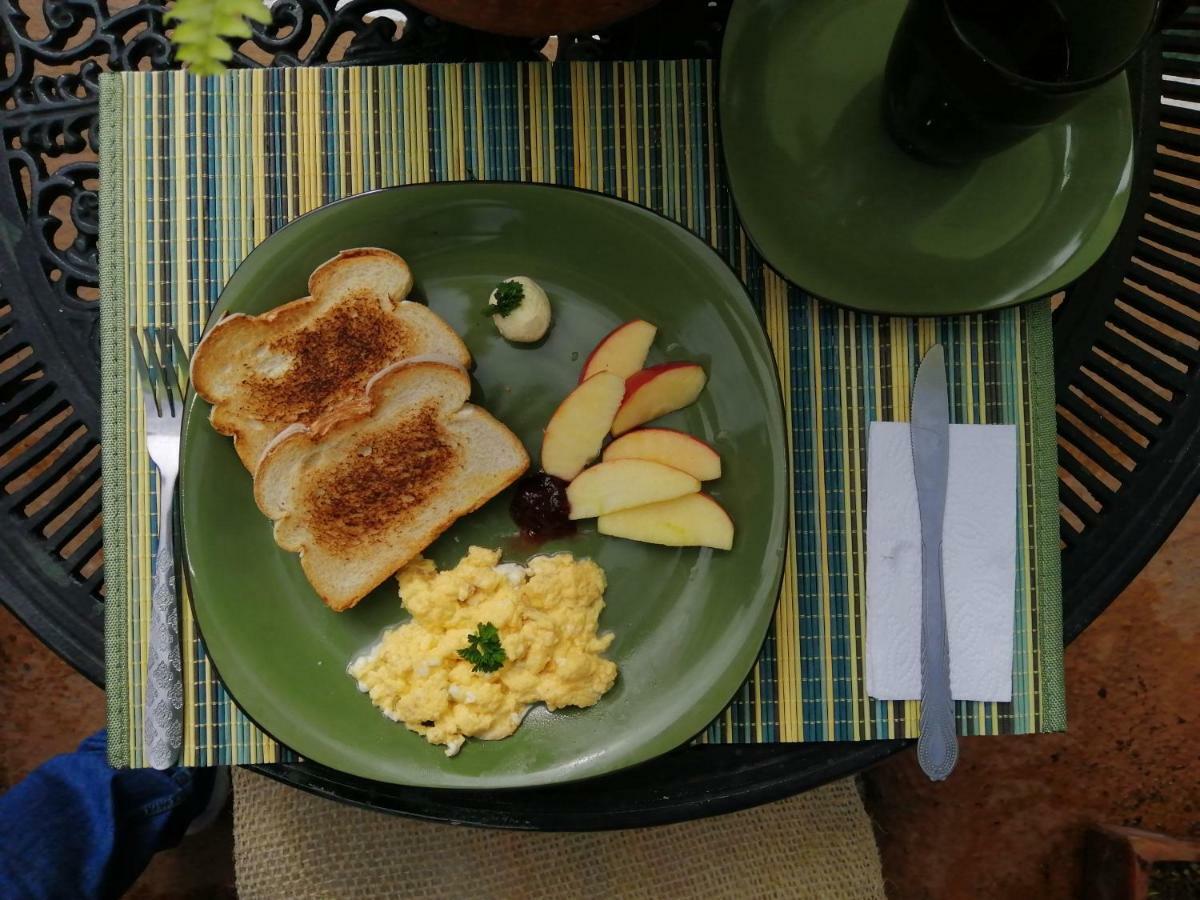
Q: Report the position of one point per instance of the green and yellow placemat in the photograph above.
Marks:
(196, 172)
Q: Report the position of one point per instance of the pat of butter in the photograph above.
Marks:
(530, 321)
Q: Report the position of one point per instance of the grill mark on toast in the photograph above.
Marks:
(331, 359)
(383, 481)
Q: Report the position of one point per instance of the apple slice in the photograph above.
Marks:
(623, 351)
(694, 520)
(656, 391)
(623, 483)
(669, 447)
(578, 427)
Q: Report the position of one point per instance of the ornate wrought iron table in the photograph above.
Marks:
(1127, 345)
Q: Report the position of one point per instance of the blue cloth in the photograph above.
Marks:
(78, 828)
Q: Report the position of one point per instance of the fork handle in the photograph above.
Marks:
(162, 718)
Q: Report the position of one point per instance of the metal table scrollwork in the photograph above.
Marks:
(1127, 345)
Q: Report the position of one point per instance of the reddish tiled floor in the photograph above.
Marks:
(1008, 824)
(46, 707)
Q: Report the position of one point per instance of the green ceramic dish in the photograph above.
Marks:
(840, 210)
(688, 623)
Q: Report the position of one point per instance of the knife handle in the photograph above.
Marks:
(937, 747)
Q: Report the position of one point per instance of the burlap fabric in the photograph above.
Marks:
(289, 844)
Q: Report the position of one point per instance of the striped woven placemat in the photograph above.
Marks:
(195, 173)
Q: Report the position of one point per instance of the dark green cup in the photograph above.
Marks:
(967, 78)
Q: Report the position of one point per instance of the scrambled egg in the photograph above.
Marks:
(546, 614)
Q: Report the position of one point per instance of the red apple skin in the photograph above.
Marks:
(617, 524)
(639, 380)
(585, 373)
(673, 432)
(676, 431)
(624, 483)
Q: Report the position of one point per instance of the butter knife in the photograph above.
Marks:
(937, 747)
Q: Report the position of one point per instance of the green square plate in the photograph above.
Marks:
(689, 623)
(839, 209)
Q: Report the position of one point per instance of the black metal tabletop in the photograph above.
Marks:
(1127, 348)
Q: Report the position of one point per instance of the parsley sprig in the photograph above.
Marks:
(483, 650)
(509, 295)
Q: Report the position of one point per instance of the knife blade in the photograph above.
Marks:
(937, 747)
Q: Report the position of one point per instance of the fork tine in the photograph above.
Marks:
(167, 354)
(139, 359)
(159, 371)
(181, 356)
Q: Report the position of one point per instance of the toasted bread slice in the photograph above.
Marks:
(298, 361)
(366, 489)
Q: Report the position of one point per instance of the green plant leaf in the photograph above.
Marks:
(203, 29)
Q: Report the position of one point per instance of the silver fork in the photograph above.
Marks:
(162, 395)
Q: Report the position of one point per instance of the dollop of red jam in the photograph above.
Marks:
(540, 507)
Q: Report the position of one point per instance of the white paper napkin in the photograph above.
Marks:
(979, 562)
